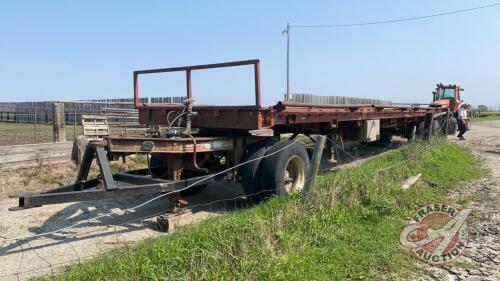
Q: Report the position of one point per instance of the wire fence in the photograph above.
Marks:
(31, 122)
(94, 228)
(35, 125)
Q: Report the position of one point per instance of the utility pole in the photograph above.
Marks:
(287, 32)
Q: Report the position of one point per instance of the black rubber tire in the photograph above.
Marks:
(250, 173)
(274, 166)
(411, 132)
(420, 130)
(437, 126)
(452, 126)
(421, 125)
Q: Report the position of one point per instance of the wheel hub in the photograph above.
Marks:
(295, 175)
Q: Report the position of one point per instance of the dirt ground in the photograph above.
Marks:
(46, 255)
(481, 260)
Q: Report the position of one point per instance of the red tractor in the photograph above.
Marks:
(448, 96)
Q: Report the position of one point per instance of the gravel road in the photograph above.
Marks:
(481, 260)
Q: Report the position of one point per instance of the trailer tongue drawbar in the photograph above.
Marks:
(180, 158)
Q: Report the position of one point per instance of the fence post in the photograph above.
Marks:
(58, 133)
(34, 125)
(429, 118)
(315, 162)
(74, 125)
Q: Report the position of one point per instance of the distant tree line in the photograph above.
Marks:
(485, 108)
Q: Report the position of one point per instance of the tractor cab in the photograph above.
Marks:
(447, 96)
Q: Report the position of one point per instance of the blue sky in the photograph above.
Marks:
(60, 50)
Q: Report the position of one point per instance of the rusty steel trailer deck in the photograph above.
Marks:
(190, 145)
(253, 117)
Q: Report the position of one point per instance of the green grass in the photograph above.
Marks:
(346, 229)
(487, 117)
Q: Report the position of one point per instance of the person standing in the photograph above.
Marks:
(462, 119)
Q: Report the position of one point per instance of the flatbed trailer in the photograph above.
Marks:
(215, 143)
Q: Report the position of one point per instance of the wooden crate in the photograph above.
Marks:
(95, 126)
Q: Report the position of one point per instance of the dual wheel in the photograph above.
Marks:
(436, 127)
(274, 167)
(271, 167)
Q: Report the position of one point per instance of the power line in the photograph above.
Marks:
(289, 28)
(397, 20)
